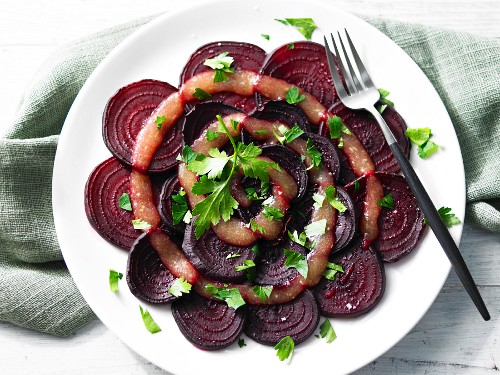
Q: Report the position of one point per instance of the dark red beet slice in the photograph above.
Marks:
(297, 319)
(202, 115)
(208, 324)
(214, 258)
(346, 222)
(304, 65)
(148, 279)
(401, 228)
(366, 128)
(355, 291)
(300, 212)
(329, 154)
(124, 116)
(106, 184)
(246, 56)
(290, 162)
(280, 110)
(271, 268)
(169, 188)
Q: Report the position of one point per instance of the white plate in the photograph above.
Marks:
(159, 50)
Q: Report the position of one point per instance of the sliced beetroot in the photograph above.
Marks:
(208, 324)
(126, 112)
(355, 291)
(214, 258)
(170, 187)
(297, 319)
(329, 154)
(290, 162)
(148, 279)
(246, 57)
(282, 111)
(346, 221)
(106, 184)
(201, 116)
(402, 227)
(304, 65)
(271, 269)
(300, 212)
(366, 128)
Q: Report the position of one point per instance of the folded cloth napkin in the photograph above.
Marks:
(36, 290)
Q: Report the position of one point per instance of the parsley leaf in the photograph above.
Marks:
(233, 255)
(421, 137)
(113, 280)
(253, 195)
(179, 286)
(300, 239)
(285, 348)
(221, 64)
(263, 291)
(333, 199)
(256, 227)
(212, 165)
(150, 324)
(141, 224)
(256, 249)
(292, 96)
(231, 296)
(187, 155)
(316, 228)
(211, 135)
(337, 127)
(180, 208)
(326, 331)
(201, 94)
(297, 261)
(261, 132)
(247, 263)
(272, 213)
(290, 46)
(387, 202)
(265, 36)
(159, 121)
(449, 218)
(305, 26)
(331, 270)
(313, 153)
(241, 343)
(384, 102)
(124, 202)
(427, 149)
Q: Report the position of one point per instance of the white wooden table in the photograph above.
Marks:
(450, 339)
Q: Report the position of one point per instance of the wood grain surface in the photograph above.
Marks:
(450, 339)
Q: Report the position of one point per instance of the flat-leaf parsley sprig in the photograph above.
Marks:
(215, 172)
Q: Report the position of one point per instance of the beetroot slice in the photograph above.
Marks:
(297, 319)
(346, 222)
(147, 277)
(208, 324)
(366, 128)
(290, 162)
(271, 269)
(246, 57)
(355, 291)
(106, 184)
(126, 112)
(304, 65)
(201, 116)
(280, 110)
(214, 258)
(169, 188)
(401, 228)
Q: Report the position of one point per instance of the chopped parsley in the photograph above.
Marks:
(124, 202)
(337, 127)
(187, 155)
(180, 209)
(179, 286)
(261, 132)
(387, 202)
(384, 102)
(421, 137)
(297, 261)
(331, 270)
(313, 153)
(247, 263)
(241, 343)
(221, 64)
(256, 227)
(264, 292)
(449, 218)
(305, 26)
(265, 36)
(290, 46)
(256, 249)
(253, 195)
(150, 324)
(141, 224)
(212, 135)
(201, 94)
(293, 95)
(272, 213)
(326, 331)
(284, 348)
(301, 238)
(159, 121)
(333, 199)
(232, 255)
(231, 296)
(114, 276)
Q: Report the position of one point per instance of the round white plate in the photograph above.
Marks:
(159, 50)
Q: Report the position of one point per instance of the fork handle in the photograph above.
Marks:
(434, 220)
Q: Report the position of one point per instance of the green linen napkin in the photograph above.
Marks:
(36, 290)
